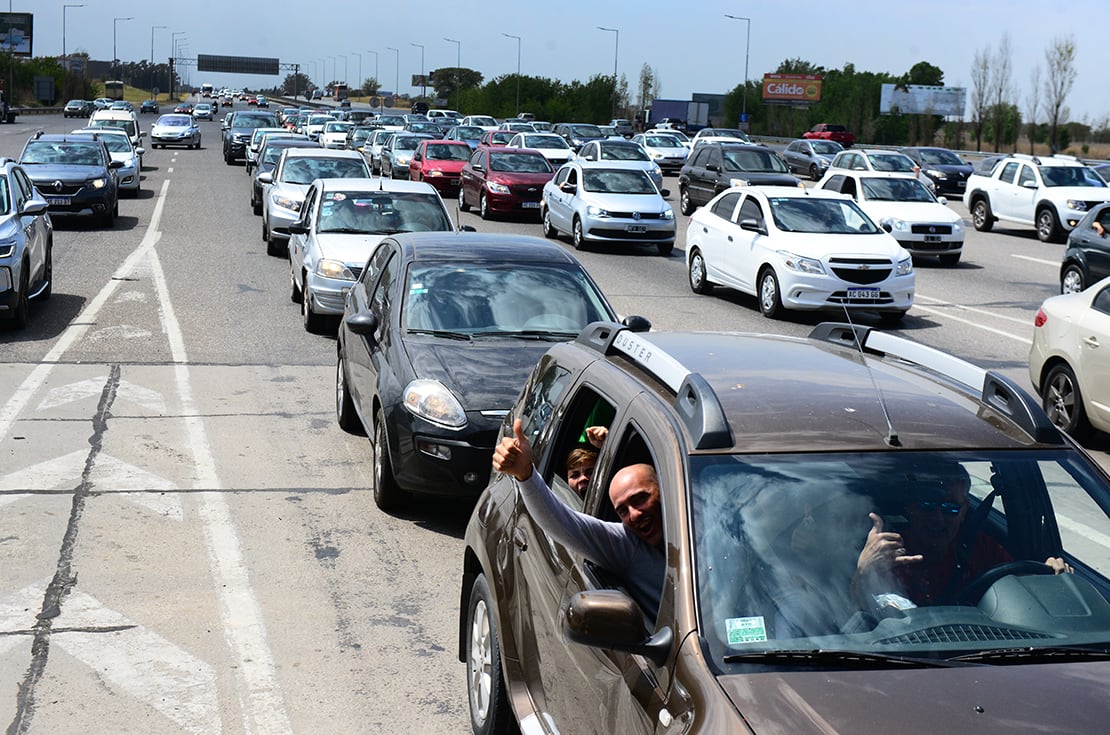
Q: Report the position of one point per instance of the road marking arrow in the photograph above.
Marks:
(149, 399)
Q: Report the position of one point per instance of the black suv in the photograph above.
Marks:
(713, 167)
(785, 466)
(75, 173)
(239, 128)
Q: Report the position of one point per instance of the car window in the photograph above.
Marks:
(751, 209)
(1101, 301)
(544, 392)
(1070, 176)
(617, 181)
(894, 190)
(382, 296)
(519, 162)
(623, 153)
(1026, 176)
(752, 160)
(382, 212)
(820, 215)
(834, 183)
(726, 205)
(303, 170)
(1009, 172)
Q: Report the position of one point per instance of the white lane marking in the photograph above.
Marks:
(1041, 261)
(993, 314)
(149, 399)
(1084, 530)
(949, 315)
(244, 627)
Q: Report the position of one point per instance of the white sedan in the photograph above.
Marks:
(919, 221)
(553, 147)
(798, 249)
(1068, 362)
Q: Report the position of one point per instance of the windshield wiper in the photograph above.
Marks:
(1031, 655)
(442, 333)
(843, 659)
(527, 334)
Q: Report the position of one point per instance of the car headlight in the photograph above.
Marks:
(435, 172)
(497, 188)
(904, 267)
(593, 211)
(286, 203)
(655, 154)
(957, 227)
(403, 160)
(668, 213)
(898, 224)
(800, 264)
(431, 401)
(7, 249)
(737, 182)
(1077, 204)
(334, 269)
(98, 183)
(935, 174)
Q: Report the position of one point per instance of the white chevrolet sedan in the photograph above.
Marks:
(801, 249)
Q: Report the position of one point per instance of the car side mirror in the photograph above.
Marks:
(115, 164)
(298, 228)
(34, 206)
(478, 167)
(887, 225)
(752, 225)
(712, 167)
(665, 193)
(467, 228)
(610, 619)
(568, 187)
(363, 323)
(266, 178)
(943, 200)
(1029, 184)
(637, 323)
(140, 151)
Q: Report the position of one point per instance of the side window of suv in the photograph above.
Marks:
(543, 394)
(586, 408)
(1009, 172)
(1026, 176)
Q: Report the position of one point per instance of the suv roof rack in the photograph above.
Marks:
(993, 389)
(695, 401)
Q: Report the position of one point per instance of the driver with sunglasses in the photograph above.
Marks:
(921, 563)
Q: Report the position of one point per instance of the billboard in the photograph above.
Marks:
(237, 64)
(15, 33)
(920, 99)
(791, 89)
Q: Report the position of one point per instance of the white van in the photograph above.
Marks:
(122, 119)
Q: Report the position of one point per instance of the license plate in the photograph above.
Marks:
(58, 201)
(932, 238)
(635, 228)
(530, 205)
(455, 182)
(863, 293)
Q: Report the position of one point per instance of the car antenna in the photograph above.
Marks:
(891, 436)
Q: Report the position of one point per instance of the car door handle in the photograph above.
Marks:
(730, 238)
(519, 540)
(1091, 342)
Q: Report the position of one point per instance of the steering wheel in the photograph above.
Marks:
(974, 589)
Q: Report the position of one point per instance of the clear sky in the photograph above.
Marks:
(692, 45)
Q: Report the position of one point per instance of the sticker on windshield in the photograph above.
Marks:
(745, 630)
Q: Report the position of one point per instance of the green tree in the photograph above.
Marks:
(449, 80)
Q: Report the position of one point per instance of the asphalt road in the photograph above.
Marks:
(188, 542)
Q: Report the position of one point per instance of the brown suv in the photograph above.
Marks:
(860, 535)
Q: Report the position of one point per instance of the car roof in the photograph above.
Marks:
(310, 152)
(481, 247)
(374, 184)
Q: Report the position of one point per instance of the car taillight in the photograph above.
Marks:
(1040, 319)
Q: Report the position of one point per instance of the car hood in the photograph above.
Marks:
(171, 129)
(624, 202)
(523, 179)
(1082, 193)
(910, 211)
(484, 374)
(450, 167)
(351, 249)
(948, 168)
(1057, 698)
(45, 173)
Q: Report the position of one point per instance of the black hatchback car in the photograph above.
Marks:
(1087, 257)
(75, 173)
(438, 335)
(713, 167)
(944, 168)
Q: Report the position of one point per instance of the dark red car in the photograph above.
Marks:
(828, 131)
(439, 162)
(502, 180)
(496, 137)
(184, 108)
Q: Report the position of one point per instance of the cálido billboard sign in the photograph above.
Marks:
(791, 89)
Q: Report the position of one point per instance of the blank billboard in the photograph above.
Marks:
(237, 64)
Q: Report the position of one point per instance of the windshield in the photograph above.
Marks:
(493, 300)
(174, 121)
(826, 147)
(68, 153)
(752, 160)
(778, 541)
(586, 131)
(623, 153)
(821, 216)
(468, 132)
(406, 143)
(117, 143)
(891, 162)
(382, 212)
(617, 181)
(545, 141)
(520, 163)
(445, 152)
(941, 156)
(1070, 176)
(482, 120)
(663, 141)
(878, 189)
(302, 170)
(253, 122)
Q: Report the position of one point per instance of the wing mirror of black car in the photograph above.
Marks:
(298, 228)
(636, 323)
(712, 167)
(611, 619)
(665, 193)
(467, 228)
(115, 164)
(363, 323)
(752, 225)
(887, 225)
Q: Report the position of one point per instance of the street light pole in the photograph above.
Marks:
(152, 29)
(173, 55)
(616, 43)
(344, 68)
(458, 65)
(424, 86)
(360, 77)
(65, 59)
(376, 79)
(509, 35)
(747, 48)
(396, 72)
(115, 24)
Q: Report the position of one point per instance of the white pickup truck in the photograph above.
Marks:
(1052, 193)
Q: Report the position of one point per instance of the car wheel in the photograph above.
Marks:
(483, 206)
(256, 204)
(770, 301)
(345, 413)
(578, 236)
(276, 247)
(1048, 227)
(950, 259)
(684, 203)
(295, 293)
(463, 206)
(548, 228)
(387, 493)
(313, 322)
(1072, 280)
(1063, 401)
(981, 217)
(699, 275)
(22, 310)
(485, 682)
(814, 172)
(48, 273)
(664, 248)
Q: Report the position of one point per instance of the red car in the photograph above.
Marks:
(184, 108)
(496, 137)
(828, 131)
(439, 162)
(502, 180)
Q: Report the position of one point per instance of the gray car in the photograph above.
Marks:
(26, 245)
(810, 157)
(397, 152)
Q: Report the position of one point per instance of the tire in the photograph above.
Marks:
(664, 248)
(313, 323)
(814, 172)
(950, 259)
(463, 206)
(275, 247)
(345, 413)
(483, 206)
(388, 495)
(256, 205)
(770, 299)
(981, 217)
(698, 274)
(548, 228)
(108, 219)
(578, 236)
(684, 204)
(48, 273)
(22, 310)
(295, 293)
(1072, 280)
(1063, 401)
(485, 682)
(1048, 226)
